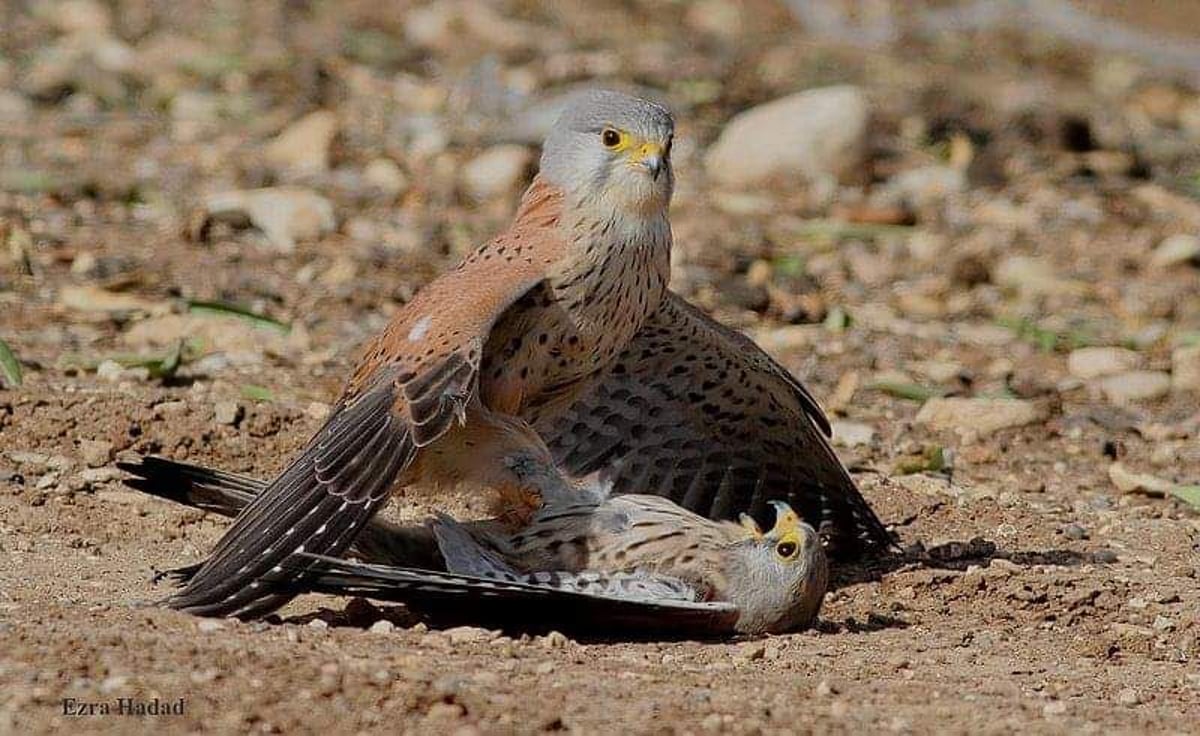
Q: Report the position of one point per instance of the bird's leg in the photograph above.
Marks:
(478, 452)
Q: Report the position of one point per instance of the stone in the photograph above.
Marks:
(926, 185)
(209, 625)
(284, 214)
(813, 134)
(1127, 481)
(78, 16)
(852, 434)
(977, 415)
(1185, 369)
(382, 626)
(303, 147)
(227, 412)
(243, 342)
(496, 171)
(384, 175)
(1031, 277)
(14, 107)
(87, 298)
(1175, 250)
(1135, 386)
(95, 453)
(1129, 697)
(1096, 362)
(467, 635)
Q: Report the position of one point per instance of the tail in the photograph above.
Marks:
(227, 494)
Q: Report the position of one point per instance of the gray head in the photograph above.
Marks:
(778, 578)
(612, 149)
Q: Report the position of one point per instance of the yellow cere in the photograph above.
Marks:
(645, 151)
(787, 526)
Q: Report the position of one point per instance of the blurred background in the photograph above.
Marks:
(971, 228)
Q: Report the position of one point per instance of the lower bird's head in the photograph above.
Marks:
(778, 578)
(614, 151)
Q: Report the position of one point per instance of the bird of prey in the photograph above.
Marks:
(640, 558)
(522, 325)
(558, 339)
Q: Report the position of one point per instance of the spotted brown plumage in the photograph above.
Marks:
(696, 412)
(443, 393)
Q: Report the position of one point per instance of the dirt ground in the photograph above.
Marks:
(1017, 199)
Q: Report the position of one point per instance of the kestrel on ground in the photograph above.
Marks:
(559, 331)
(612, 550)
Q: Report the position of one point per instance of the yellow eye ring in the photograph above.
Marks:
(610, 138)
(785, 549)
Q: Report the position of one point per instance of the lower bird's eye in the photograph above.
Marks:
(785, 549)
(610, 137)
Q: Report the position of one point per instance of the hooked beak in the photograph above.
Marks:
(651, 156)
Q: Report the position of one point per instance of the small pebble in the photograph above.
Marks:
(227, 412)
(382, 626)
(1129, 696)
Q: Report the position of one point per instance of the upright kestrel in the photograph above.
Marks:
(523, 323)
(559, 331)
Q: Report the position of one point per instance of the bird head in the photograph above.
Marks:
(612, 150)
(778, 578)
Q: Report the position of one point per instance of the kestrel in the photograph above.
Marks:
(523, 324)
(559, 332)
(584, 542)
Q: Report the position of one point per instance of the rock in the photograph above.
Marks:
(209, 625)
(752, 652)
(78, 16)
(382, 626)
(981, 416)
(1096, 362)
(1185, 369)
(1031, 277)
(927, 185)
(95, 453)
(385, 175)
(109, 370)
(14, 107)
(458, 24)
(303, 147)
(811, 134)
(227, 412)
(1129, 696)
(1134, 386)
(240, 341)
(496, 171)
(1175, 250)
(852, 434)
(95, 299)
(1127, 481)
(467, 635)
(717, 18)
(284, 214)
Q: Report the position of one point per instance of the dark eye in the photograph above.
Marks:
(785, 549)
(610, 137)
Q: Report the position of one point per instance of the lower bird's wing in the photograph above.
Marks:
(698, 413)
(537, 604)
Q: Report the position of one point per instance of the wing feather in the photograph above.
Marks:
(735, 426)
